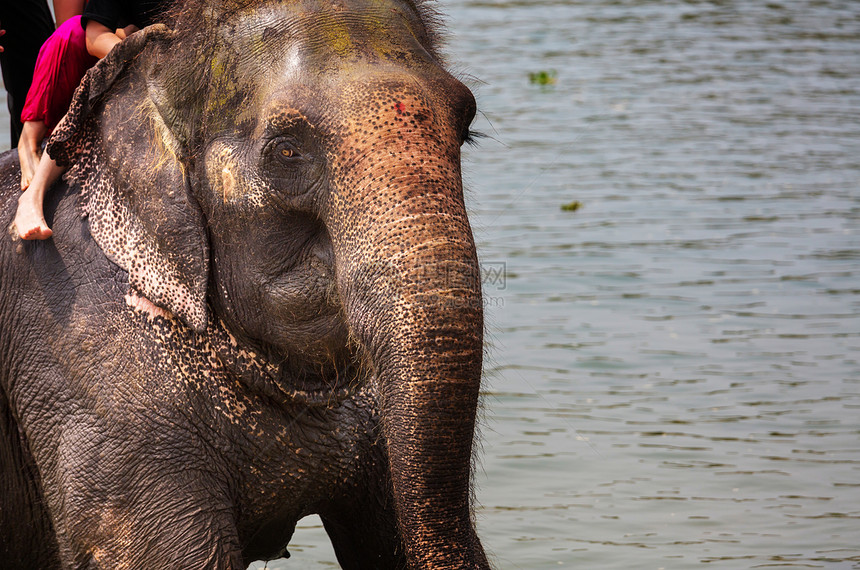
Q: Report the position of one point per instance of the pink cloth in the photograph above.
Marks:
(62, 63)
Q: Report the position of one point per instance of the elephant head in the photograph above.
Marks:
(292, 170)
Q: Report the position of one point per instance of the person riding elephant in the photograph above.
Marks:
(63, 60)
(262, 300)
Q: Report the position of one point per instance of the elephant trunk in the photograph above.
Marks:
(409, 280)
(429, 376)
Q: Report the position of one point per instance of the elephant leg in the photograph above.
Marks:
(144, 516)
(166, 541)
(26, 536)
(365, 540)
(363, 529)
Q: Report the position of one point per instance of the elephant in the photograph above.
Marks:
(262, 300)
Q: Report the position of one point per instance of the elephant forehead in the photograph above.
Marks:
(375, 33)
(265, 50)
(327, 34)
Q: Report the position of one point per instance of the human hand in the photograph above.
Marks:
(123, 33)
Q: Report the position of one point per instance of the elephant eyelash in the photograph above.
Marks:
(472, 138)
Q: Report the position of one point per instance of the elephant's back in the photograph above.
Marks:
(71, 244)
(56, 283)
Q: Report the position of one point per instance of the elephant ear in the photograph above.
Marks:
(126, 150)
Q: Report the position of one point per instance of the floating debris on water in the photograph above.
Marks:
(543, 77)
(571, 206)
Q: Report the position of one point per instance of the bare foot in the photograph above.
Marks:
(29, 220)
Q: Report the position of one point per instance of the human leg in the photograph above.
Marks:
(30, 150)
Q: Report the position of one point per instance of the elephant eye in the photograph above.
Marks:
(285, 150)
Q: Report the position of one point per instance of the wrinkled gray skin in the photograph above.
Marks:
(261, 301)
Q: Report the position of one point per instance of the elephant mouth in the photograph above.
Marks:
(327, 396)
(287, 383)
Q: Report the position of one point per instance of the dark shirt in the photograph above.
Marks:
(115, 14)
(28, 23)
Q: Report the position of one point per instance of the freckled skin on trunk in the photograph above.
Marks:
(261, 301)
(424, 333)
